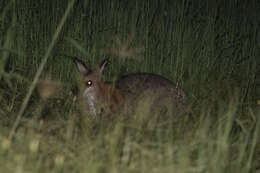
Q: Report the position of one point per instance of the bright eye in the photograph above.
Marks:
(89, 83)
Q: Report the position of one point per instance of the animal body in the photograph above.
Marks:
(129, 93)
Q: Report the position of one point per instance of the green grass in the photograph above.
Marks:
(211, 52)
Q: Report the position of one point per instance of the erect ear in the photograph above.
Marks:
(82, 67)
(102, 65)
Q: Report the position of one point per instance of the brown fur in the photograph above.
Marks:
(125, 95)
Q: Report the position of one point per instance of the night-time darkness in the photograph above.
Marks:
(130, 86)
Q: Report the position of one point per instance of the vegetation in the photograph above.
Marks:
(211, 49)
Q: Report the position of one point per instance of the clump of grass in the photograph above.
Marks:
(119, 145)
(125, 50)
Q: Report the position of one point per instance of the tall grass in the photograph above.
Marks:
(208, 48)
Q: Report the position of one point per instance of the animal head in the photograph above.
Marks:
(91, 78)
(94, 90)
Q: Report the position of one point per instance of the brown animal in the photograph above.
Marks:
(129, 93)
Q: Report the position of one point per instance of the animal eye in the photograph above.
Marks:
(89, 83)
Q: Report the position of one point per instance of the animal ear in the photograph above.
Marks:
(102, 65)
(82, 67)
